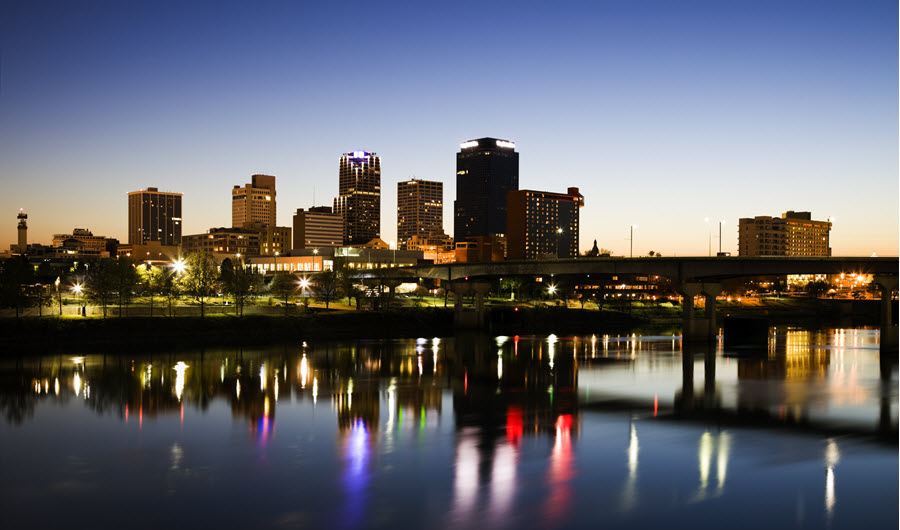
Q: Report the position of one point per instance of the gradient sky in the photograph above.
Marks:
(662, 113)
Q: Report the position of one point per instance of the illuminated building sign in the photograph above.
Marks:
(470, 143)
(504, 143)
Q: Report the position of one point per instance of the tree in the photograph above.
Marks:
(169, 288)
(15, 276)
(817, 288)
(101, 283)
(512, 284)
(283, 285)
(200, 277)
(346, 280)
(40, 296)
(239, 282)
(326, 286)
(126, 278)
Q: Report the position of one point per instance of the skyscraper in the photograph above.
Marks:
(420, 209)
(542, 224)
(486, 170)
(254, 202)
(359, 197)
(154, 215)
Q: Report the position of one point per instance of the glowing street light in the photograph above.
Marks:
(179, 265)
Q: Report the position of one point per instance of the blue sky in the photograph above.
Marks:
(662, 113)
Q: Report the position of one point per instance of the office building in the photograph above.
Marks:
(792, 234)
(420, 209)
(543, 224)
(359, 197)
(317, 227)
(243, 241)
(487, 169)
(254, 202)
(84, 243)
(155, 216)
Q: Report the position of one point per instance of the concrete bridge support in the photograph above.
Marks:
(888, 284)
(469, 318)
(699, 329)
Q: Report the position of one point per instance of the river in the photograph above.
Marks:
(587, 431)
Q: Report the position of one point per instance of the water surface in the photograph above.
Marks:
(490, 432)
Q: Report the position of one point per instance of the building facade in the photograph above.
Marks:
(487, 169)
(317, 227)
(243, 241)
(254, 203)
(154, 216)
(420, 209)
(792, 234)
(543, 224)
(359, 197)
(83, 242)
(273, 240)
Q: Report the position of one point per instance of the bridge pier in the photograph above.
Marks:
(888, 338)
(699, 329)
(470, 319)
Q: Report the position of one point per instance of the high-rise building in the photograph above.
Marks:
(254, 202)
(420, 209)
(542, 224)
(154, 215)
(359, 197)
(317, 227)
(486, 170)
(792, 234)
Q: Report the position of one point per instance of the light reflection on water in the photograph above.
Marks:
(496, 432)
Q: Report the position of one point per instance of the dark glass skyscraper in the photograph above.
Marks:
(359, 197)
(486, 170)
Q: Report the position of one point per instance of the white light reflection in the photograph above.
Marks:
(832, 457)
(304, 371)
(237, 389)
(349, 393)
(315, 390)
(77, 383)
(723, 453)
(500, 364)
(465, 485)
(629, 491)
(222, 373)
(56, 386)
(503, 483)
(705, 460)
(262, 377)
(179, 368)
(551, 348)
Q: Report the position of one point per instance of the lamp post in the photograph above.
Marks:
(631, 242)
(77, 290)
(275, 262)
(58, 297)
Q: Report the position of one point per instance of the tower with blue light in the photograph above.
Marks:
(359, 197)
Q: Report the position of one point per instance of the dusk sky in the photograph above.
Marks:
(663, 114)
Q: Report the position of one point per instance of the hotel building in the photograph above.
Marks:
(792, 234)
(542, 224)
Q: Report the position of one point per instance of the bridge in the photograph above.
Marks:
(691, 276)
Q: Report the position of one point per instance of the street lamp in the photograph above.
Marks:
(275, 261)
(58, 297)
(77, 290)
(178, 265)
(720, 235)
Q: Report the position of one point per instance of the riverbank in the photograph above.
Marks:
(39, 334)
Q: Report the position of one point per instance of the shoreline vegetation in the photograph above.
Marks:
(36, 335)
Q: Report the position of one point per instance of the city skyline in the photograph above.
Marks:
(662, 115)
